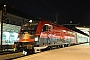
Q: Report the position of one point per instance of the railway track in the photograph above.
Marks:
(11, 56)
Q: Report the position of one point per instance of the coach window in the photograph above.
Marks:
(47, 27)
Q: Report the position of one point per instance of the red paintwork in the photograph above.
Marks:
(56, 32)
(40, 26)
(26, 40)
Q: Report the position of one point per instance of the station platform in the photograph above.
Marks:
(76, 52)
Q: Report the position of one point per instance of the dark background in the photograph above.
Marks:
(77, 11)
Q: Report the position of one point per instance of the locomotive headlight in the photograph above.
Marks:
(17, 38)
(36, 39)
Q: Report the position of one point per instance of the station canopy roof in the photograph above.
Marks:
(84, 29)
(80, 30)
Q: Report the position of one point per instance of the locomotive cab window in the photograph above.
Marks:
(30, 28)
(44, 28)
(47, 27)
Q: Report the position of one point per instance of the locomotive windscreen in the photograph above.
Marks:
(27, 32)
(29, 27)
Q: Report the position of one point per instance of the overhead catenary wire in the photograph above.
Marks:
(49, 5)
(33, 7)
(56, 14)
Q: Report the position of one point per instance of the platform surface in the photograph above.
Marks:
(77, 52)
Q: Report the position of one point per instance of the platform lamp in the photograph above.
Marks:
(2, 13)
(2, 10)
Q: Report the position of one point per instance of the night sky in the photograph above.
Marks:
(77, 11)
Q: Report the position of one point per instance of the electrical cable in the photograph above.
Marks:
(33, 7)
(49, 5)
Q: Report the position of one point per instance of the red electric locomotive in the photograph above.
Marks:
(37, 35)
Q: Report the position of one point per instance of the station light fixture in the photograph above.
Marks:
(30, 21)
(4, 5)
